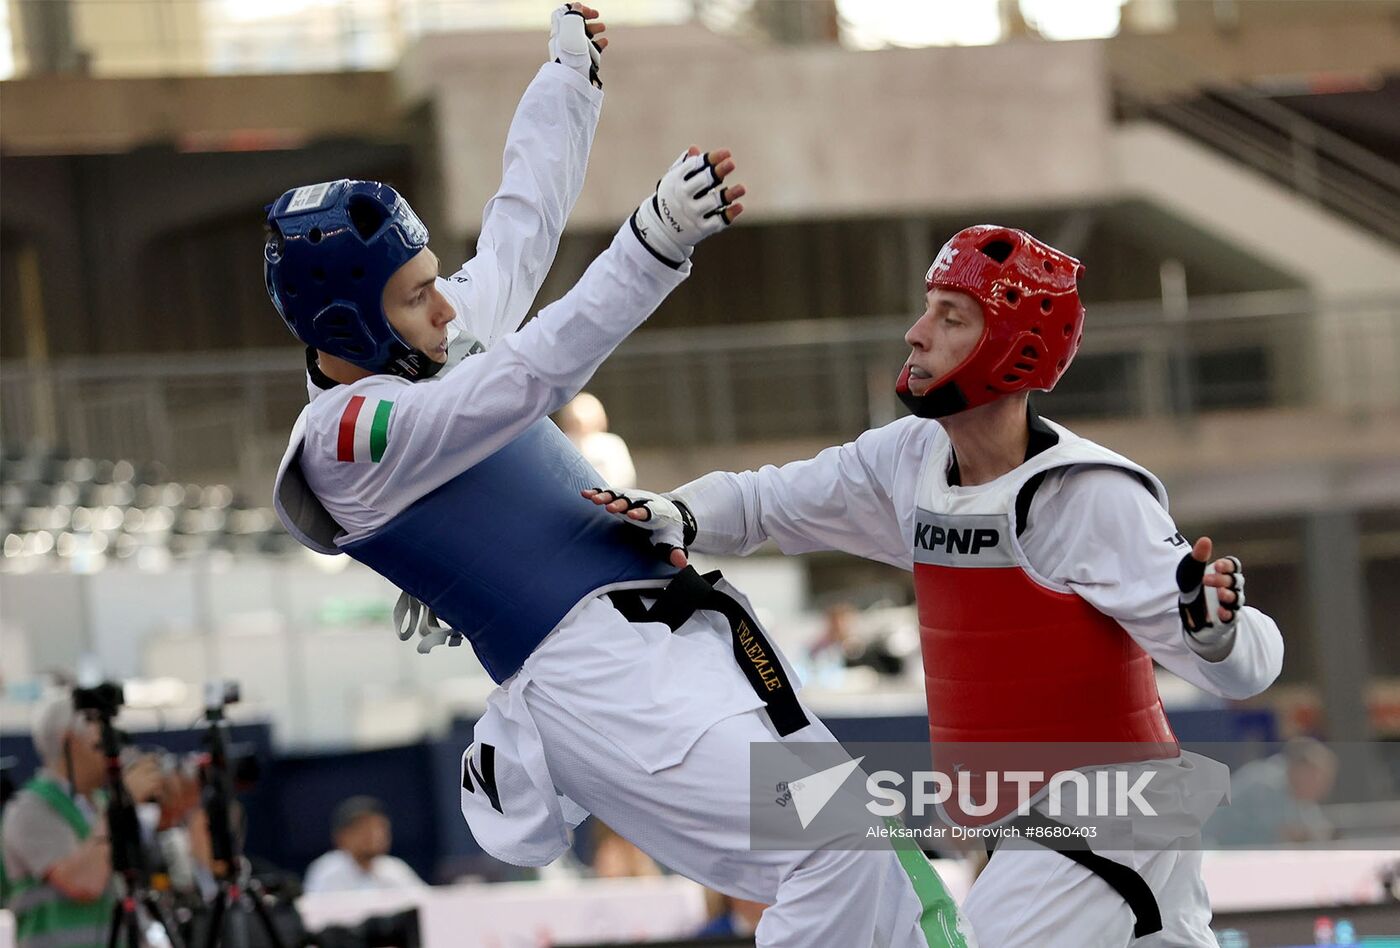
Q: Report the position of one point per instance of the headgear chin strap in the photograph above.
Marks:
(324, 382)
(414, 365)
(1033, 320)
(331, 248)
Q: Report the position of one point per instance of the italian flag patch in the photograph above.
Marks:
(364, 430)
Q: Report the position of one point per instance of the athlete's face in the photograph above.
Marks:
(416, 310)
(942, 337)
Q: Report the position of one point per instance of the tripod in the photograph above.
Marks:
(128, 855)
(239, 894)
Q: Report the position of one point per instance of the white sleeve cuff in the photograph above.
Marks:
(560, 72)
(717, 504)
(1214, 644)
(641, 255)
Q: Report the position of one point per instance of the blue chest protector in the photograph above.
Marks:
(505, 581)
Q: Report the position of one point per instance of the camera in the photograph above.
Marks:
(105, 699)
(243, 912)
(219, 694)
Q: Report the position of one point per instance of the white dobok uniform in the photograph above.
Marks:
(1095, 528)
(647, 729)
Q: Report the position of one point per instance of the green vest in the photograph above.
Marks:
(44, 917)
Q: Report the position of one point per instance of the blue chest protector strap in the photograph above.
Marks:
(504, 583)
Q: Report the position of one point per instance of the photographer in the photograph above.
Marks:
(56, 848)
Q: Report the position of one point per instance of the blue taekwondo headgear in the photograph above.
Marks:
(331, 248)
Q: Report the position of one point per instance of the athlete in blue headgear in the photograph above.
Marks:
(629, 688)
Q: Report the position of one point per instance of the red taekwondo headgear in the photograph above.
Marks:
(1031, 310)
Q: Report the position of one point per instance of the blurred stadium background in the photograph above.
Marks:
(1229, 171)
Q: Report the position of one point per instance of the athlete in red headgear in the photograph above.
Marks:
(1049, 576)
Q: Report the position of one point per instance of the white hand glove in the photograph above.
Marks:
(667, 519)
(690, 203)
(569, 44)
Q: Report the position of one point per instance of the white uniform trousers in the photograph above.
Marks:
(1038, 898)
(649, 730)
(694, 818)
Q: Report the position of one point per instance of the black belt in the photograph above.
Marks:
(687, 593)
(1122, 879)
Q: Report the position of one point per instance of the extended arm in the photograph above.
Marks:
(842, 499)
(546, 156)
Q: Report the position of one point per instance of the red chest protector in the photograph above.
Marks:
(1008, 657)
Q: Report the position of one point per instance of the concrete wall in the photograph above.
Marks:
(1346, 41)
(818, 131)
(68, 115)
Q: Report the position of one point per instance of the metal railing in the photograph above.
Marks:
(1315, 162)
(226, 415)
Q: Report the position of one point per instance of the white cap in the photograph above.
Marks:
(52, 720)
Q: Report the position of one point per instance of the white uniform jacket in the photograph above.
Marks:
(650, 693)
(1097, 531)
